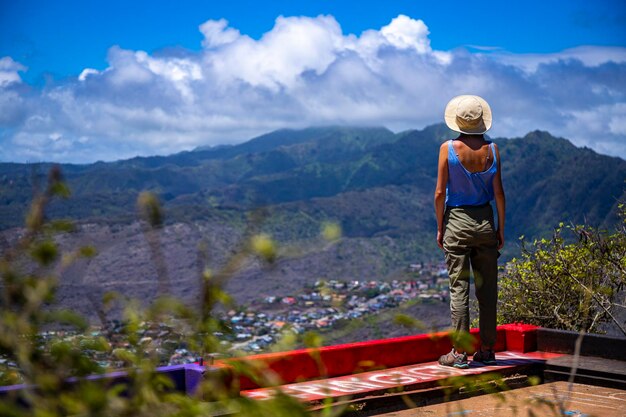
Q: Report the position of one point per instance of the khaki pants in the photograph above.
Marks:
(470, 240)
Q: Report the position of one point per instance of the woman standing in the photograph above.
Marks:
(468, 179)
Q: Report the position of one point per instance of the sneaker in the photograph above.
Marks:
(485, 356)
(454, 359)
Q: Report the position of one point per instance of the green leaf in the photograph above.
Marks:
(263, 246)
(312, 340)
(45, 252)
(125, 355)
(88, 251)
(68, 317)
(408, 321)
(331, 231)
(60, 189)
(61, 226)
(150, 208)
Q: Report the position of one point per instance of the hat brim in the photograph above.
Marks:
(450, 116)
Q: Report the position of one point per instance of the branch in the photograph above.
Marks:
(595, 298)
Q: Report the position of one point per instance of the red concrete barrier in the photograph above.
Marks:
(351, 358)
(520, 337)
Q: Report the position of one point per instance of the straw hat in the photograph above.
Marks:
(468, 114)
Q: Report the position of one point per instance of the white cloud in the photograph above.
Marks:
(9, 71)
(604, 123)
(588, 55)
(305, 71)
(404, 33)
(295, 45)
(86, 73)
(217, 33)
(617, 123)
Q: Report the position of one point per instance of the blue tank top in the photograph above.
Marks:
(467, 188)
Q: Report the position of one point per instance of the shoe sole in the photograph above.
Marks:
(456, 365)
(486, 362)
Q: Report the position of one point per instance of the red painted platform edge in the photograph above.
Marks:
(520, 337)
(410, 377)
(330, 361)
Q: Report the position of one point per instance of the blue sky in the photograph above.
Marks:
(86, 80)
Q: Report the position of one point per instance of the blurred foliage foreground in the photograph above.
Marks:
(54, 369)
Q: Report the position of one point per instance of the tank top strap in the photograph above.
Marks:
(451, 152)
(493, 152)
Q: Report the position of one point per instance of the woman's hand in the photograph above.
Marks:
(500, 234)
(440, 238)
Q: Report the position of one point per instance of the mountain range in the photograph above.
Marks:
(376, 184)
(547, 179)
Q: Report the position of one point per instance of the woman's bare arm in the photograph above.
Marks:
(440, 190)
(500, 198)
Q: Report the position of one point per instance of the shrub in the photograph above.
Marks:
(567, 284)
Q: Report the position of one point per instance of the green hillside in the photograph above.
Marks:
(373, 181)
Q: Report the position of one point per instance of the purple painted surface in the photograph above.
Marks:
(186, 378)
(10, 388)
(193, 377)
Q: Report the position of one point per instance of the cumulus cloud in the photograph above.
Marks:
(217, 32)
(406, 33)
(278, 60)
(303, 72)
(9, 71)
